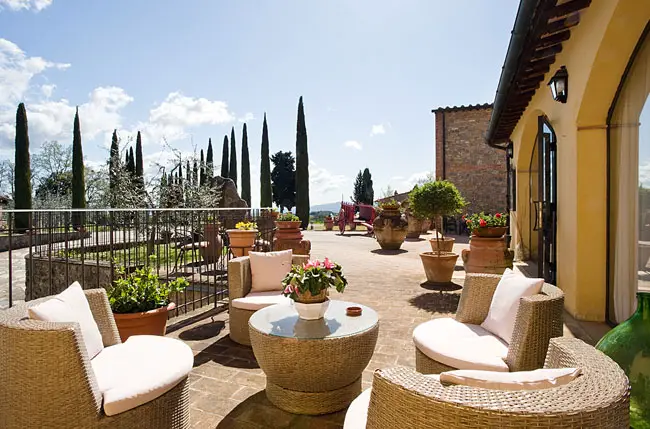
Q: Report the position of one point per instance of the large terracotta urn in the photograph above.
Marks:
(152, 322)
(439, 266)
(242, 241)
(329, 223)
(390, 228)
(487, 255)
(414, 227)
(211, 252)
(426, 225)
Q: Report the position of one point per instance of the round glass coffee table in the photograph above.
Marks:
(313, 366)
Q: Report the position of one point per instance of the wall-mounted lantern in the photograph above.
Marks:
(559, 84)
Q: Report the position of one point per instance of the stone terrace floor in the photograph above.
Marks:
(227, 385)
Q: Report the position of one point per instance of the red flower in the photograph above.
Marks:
(498, 215)
(482, 223)
(463, 218)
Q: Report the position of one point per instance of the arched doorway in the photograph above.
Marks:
(629, 186)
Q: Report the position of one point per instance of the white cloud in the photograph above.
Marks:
(323, 185)
(247, 117)
(377, 129)
(15, 5)
(181, 111)
(48, 90)
(353, 144)
(402, 184)
(17, 70)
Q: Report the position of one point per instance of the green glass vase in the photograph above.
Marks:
(628, 344)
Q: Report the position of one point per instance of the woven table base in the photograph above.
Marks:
(312, 403)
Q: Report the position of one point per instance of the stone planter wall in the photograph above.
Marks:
(19, 241)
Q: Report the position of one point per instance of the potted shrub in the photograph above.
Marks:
(242, 238)
(390, 226)
(140, 301)
(434, 200)
(288, 227)
(329, 223)
(486, 225)
(307, 285)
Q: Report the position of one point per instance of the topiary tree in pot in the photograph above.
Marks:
(433, 200)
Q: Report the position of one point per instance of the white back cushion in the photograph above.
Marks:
(505, 303)
(71, 305)
(268, 269)
(521, 380)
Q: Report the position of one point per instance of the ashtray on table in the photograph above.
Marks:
(353, 311)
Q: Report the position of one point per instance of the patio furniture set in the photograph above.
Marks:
(64, 365)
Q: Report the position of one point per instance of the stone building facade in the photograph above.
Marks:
(463, 158)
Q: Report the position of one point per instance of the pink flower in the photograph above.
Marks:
(288, 290)
(311, 264)
(328, 264)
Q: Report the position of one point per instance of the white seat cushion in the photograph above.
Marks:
(71, 305)
(268, 269)
(140, 370)
(505, 302)
(256, 300)
(520, 380)
(460, 345)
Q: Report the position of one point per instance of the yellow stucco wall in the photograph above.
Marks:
(595, 56)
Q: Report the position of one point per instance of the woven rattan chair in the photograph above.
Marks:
(47, 381)
(540, 318)
(239, 285)
(402, 397)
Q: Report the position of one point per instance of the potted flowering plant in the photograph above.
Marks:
(140, 301)
(242, 238)
(487, 225)
(288, 227)
(307, 285)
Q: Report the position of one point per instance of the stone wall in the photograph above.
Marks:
(19, 241)
(477, 170)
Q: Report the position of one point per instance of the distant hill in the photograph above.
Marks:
(329, 207)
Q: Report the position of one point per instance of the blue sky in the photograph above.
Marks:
(369, 71)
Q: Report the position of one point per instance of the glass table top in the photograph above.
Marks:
(282, 320)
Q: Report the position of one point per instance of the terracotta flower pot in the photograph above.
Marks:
(241, 241)
(487, 255)
(390, 229)
(212, 252)
(329, 224)
(288, 230)
(490, 231)
(414, 227)
(152, 322)
(439, 268)
(446, 244)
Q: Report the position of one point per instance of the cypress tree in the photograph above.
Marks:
(232, 169)
(358, 191)
(23, 172)
(224, 158)
(266, 196)
(245, 169)
(113, 166)
(368, 191)
(78, 180)
(188, 173)
(202, 170)
(302, 168)
(195, 174)
(131, 166)
(163, 190)
(139, 162)
(209, 161)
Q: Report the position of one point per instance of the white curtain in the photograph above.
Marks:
(624, 185)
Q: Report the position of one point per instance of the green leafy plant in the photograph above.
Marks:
(288, 217)
(435, 199)
(246, 226)
(142, 291)
(389, 205)
(482, 220)
(313, 276)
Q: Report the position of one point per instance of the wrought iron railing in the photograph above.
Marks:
(43, 251)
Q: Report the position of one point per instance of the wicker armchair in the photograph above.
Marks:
(599, 398)
(540, 318)
(47, 381)
(239, 285)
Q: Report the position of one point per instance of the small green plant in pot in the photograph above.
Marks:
(434, 200)
(140, 301)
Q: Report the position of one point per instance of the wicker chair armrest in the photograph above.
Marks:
(45, 370)
(299, 259)
(239, 277)
(103, 316)
(476, 297)
(539, 318)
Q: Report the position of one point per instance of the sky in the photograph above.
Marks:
(370, 71)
